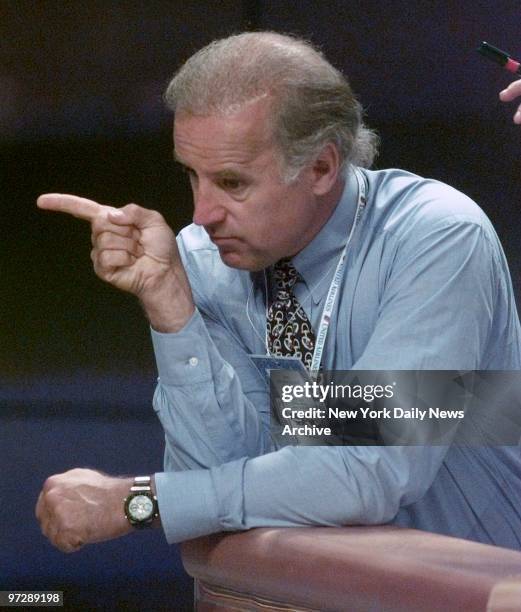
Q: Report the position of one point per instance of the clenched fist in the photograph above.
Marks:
(82, 507)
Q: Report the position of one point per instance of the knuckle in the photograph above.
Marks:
(49, 484)
(132, 208)
(62, 544)
(104, 259)
(76, 471)
(52, 498)
(157, 216)
(103, 240)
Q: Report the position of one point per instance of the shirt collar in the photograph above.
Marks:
(316, 263)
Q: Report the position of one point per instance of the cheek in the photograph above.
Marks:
(294, 215)
(279, 217)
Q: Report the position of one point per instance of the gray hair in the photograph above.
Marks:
(313, 102)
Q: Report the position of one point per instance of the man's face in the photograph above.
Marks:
(240, 198)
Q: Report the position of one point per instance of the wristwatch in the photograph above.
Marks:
(141, 504)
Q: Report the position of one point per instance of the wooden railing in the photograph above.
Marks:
(379, 568)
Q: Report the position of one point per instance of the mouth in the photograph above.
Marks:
(222, 240)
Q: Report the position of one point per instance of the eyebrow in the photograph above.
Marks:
(225, 173)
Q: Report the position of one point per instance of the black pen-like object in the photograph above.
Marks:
(500, 57)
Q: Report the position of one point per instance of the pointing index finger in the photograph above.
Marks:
(71, 204)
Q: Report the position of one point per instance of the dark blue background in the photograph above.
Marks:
(81, 112)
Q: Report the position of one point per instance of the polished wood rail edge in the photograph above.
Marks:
(351, 568)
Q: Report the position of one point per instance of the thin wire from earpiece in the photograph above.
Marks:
(250, 293)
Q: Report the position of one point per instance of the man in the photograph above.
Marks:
(273, 143)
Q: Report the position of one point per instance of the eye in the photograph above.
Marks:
(231, 183)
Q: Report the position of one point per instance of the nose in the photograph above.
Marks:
(208, 211)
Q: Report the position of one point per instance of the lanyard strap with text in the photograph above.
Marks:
(337, 279)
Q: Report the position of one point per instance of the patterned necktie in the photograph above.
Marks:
(289, 330)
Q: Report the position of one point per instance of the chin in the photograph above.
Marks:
(232, 259)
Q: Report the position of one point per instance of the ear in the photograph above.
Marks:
(324, 170)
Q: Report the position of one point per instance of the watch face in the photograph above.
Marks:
(140, 508)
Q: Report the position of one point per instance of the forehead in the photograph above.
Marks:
(237, 137)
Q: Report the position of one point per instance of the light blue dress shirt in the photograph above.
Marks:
(426, 286)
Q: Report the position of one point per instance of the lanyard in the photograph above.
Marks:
(337, 278)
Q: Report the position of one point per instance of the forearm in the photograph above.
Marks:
(294, 487)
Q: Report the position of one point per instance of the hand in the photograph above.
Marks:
(82, 507)
(512, 92)
(134, 250)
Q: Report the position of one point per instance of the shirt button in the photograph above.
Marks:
(193, 361)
